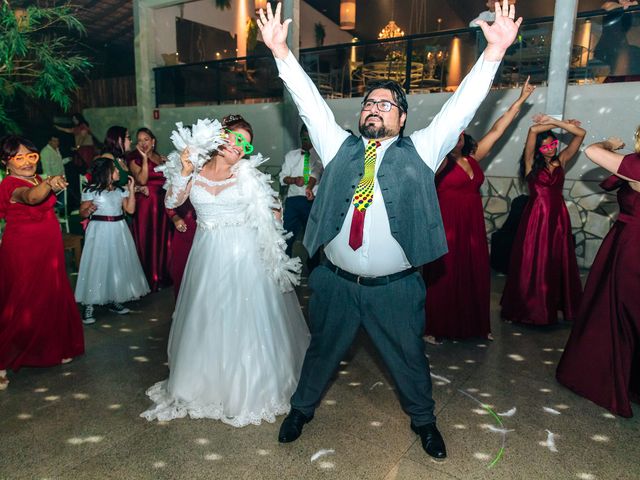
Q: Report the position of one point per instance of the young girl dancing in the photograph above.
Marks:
(110, 272)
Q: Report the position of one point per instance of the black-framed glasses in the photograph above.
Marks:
(383, 105)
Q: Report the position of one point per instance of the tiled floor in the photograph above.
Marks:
(81, 420)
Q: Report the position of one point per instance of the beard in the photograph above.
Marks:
(372, 131)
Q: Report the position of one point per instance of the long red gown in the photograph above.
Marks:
(181, 243)
(39, 321)
(601, 361)
(150, 227)
(457, 304)
(543, 272)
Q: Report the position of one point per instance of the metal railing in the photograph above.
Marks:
(432, 62)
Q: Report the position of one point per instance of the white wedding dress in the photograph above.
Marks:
(237, 342)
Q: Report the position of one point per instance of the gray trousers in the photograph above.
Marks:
(392, 315)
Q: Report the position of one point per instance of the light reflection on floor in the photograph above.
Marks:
(359, 416)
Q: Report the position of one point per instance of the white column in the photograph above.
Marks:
(144, 51)
(145, 55)
(564, 23)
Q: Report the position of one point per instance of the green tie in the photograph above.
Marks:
(305, 170)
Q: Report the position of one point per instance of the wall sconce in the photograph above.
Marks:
(347, 14)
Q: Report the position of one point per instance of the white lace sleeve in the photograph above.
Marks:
(178, 191)
(271, 235)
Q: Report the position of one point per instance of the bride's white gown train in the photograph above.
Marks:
(237, 342)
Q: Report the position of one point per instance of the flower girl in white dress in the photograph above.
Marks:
(110, 271)
(238, 336)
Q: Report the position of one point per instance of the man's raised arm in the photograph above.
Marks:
(326, 135)
(435, 141)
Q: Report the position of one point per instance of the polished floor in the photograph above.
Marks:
(499, 408)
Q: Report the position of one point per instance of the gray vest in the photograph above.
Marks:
(409, 193)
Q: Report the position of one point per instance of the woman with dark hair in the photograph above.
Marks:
(84, 146)
(110, 272)
(117, 143)
(457, 305)
(238, 336)
(601, 360)
(543, 272)
(150, 224)
(39, 321)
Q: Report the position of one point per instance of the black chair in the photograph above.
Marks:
(502, 239)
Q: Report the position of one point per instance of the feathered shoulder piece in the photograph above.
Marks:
(271, 236)
(202, 138)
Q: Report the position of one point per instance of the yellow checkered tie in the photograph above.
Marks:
(363, 195)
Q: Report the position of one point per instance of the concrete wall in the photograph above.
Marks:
(604, 109)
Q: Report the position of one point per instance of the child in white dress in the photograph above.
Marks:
(110, 272)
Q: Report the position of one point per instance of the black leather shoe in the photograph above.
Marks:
(291, 427)
(432, 441)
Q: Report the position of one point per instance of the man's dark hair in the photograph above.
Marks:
(399, 97)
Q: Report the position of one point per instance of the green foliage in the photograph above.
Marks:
(37, 59)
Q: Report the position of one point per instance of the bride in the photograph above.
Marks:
(238, 336)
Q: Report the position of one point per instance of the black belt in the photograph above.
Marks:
(369, 281)
(106, 218)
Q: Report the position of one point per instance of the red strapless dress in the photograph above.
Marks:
(543, 271)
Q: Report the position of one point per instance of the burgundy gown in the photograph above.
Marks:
(39, 321)
(150, 227)
(602, 358)
(181, 242)
(458, 284)
(543, 272)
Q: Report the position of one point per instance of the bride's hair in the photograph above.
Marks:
(233, 122)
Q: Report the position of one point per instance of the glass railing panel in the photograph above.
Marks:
(606, 48)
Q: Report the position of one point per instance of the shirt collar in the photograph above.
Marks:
(384, 143)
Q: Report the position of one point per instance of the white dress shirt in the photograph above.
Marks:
(293, 166)
(380, 253)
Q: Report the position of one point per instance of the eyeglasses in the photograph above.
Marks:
(240, 141)
(383, 105)
(549, 147)
(23, 159)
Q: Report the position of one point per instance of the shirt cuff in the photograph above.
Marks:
(487, 67)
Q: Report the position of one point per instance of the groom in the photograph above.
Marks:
(377, 214)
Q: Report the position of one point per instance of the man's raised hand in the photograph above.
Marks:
(274, 32)
(501, 34)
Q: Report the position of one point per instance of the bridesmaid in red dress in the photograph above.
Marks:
(39, 322)
(543, 272)
(601, 361)
(458, 303)
(184, 220)
(150, 227)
